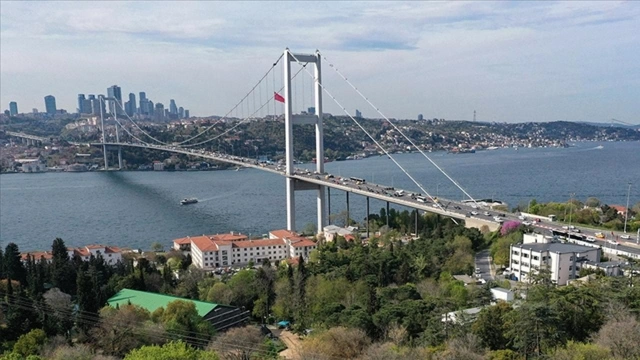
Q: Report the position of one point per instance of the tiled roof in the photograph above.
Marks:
(228, 237)
(283, 233)
(37, 255)
(183, 241)
(303, 243)
(204, 243)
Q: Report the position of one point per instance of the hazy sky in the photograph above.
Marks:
(509, 61)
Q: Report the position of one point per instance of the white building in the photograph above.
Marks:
(331, 232)
(562, 260)
(501, 294)
(213, 251)
(110, 254)
(158, 166)
(33, 167)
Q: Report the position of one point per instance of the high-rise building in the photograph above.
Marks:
(50, 104)
(358, 113)
(311, 110)
(34, 110)
(159, 111)
(95, 104)
(180, 112)
(144, 104)
(132, 104)
(13, 108)
(186, 114)
(420, 117)
(115, 92)
(81, 99)
(173, 109)
(150, 108)
(86, 106)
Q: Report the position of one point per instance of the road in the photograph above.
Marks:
(483, 263)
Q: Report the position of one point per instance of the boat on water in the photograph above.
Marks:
(188, 201)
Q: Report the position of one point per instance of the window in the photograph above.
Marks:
(516, 253)
(516, 262)
(525, 255)
(536, 257)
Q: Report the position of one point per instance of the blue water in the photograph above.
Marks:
(134, 209)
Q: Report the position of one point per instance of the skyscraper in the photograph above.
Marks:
(13, 108)
(173, 109)
(131, 109)
(186, 114)
(95, 104)
(159, 111)
(358, 114)
(50, 104)
(144, 105)
(81, 104)
(181, 112)
(115, 92)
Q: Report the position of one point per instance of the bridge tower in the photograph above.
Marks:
(290, 119)
(104, 137)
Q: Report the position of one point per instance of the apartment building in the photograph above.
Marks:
(562, 260)
(222, 250)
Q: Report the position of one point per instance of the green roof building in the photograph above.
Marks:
(221, 317)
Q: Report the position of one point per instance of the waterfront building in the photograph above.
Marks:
(212, 251)
(50, 104)
(221, 317)
(111, 254)
(34, 166)
(13, 108)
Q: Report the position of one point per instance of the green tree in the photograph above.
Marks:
(30, 343)
(62, 272)
(13, 267)
(181, 319)
(491, 327)
(157, 247)
(171, 351)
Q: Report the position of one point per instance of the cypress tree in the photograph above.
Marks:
(14, 269)
(62, 273)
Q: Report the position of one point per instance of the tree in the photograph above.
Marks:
(336, 343)
(126, 328)
(170, 351)
(239, 343)
(621, 335)
(157, 247)
(181, 319)
(491, 327)
(30, 343)
(579, 351)
(592, 202)
(62, 273)
(14, 269)
(62, 306)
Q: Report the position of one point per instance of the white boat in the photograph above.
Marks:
(188, 201)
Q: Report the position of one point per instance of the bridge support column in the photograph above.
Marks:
(367, 217)
(115, 116)
(348, 223)
(291, 204)
(321, 210)
(104, 147)
(416, 227)
(329, 205)
(387, 214)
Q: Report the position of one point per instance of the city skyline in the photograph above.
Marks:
(510, 62)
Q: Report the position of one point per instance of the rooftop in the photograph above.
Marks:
(556, 247)
(153, 301)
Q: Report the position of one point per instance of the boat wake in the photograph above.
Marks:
(219, 196)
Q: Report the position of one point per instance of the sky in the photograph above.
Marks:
(508, 61)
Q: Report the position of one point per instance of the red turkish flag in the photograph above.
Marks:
(278, 97)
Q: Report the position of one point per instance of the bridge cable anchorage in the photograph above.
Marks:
(125, 129)
(246, 119)
(400, 131)
(374, 140)
(235, 107)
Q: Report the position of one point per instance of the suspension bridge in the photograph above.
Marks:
(130, 134)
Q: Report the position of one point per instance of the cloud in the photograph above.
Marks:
(554, 59)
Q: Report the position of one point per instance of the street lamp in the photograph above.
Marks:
(626, 211)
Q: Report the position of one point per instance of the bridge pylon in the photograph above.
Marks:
(316, 119)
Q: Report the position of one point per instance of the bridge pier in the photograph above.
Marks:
(348, 223)
(115, 116)
(387, 214)
(291, 204)
(367, 217)
(104, 146)
(328, 205)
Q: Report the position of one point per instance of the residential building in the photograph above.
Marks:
(111, 254)
(562, 260)
(212, 251)
(13, 108)
(158, 166)
(34, 166)
(331, 232)
(221, 317)
(50, 104)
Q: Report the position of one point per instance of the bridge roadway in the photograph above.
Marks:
(27, 136)
(474, 215)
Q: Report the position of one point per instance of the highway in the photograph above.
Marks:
(451, 208)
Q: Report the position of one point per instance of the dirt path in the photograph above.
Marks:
(293, 344)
